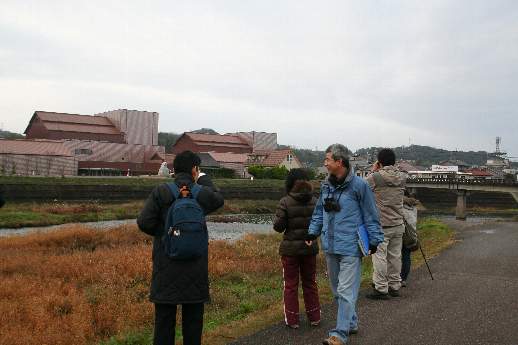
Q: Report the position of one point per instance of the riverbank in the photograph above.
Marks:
(83, 286)
(37, 214)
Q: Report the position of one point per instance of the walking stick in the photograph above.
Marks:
(426, 262)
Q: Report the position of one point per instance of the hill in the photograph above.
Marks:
(422, 155)
(426, 155)
(10, 135)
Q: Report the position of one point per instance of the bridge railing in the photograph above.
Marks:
(462, 182)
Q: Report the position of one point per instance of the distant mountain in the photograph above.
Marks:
(422, 155)
(426, 155)
(167, 140)
(205, 131)
(11, 135)
(310, 158)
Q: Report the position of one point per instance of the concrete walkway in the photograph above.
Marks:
(473, 299)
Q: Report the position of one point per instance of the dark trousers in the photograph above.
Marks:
(305, 267)
(165, 323)
(406, 262)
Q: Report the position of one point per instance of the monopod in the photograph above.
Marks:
(426, 262)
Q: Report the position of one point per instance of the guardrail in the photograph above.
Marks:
(462, 182)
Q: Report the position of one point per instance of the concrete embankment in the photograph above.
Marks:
(431, 198)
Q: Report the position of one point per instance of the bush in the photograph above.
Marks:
(276, 173)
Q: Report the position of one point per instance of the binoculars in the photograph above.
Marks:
(331, 205)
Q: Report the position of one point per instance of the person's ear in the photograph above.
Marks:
(195, 171)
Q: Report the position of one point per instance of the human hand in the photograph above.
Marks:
(308, 243)
(310, 237)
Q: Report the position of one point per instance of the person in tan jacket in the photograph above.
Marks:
(388, 184)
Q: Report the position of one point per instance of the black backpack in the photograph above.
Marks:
(186, 235)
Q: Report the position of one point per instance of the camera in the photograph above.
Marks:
(331, 205)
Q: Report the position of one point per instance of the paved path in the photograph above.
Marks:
(473, 299)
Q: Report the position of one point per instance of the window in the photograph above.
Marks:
(290, 157)
(82, 151)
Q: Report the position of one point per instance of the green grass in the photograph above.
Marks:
(243, 302)
(132, 338)
(16, 215)
(235, 206)
(131, 181)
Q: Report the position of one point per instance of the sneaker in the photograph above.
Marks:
(353, 331)
(315, 323)
(375, 294)
(394, 293)
(295, 326)
(332, 340)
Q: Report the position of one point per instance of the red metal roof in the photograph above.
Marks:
(229, 157)
(73, 118)
(34, 147)
(479, 172)
(75, 123)
(82, 128)
(217, 139)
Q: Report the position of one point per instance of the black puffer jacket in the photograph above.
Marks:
(176, 282)
(292, 217)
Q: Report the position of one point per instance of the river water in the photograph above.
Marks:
(228, 227)
(221, 227)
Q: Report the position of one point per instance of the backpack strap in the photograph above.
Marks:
(174, 189)
(195, 190)
(378, 179)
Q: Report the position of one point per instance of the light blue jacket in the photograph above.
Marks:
(338, 230)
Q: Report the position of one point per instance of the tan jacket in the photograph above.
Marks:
(389, 195)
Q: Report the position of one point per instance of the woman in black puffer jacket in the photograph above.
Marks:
(292, 218)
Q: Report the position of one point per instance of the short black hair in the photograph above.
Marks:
(295, 175)
(387, 157)
(185, 161)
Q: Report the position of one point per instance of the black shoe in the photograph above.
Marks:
(353, 331)
(375, 294)
(394, 293)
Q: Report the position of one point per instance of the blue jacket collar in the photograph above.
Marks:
(348, 179)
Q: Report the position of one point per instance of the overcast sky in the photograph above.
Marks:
(362, 73)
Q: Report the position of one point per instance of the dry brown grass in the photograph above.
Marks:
(66, 208)
(73, 286)
(83, 286)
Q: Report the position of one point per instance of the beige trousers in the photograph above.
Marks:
(386, 261)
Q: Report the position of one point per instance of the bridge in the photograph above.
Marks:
(463, 188)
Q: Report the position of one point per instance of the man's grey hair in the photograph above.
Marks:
(339, 151)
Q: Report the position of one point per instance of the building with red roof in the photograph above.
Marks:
(56, 126)
(211, 143)
(113, 142)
